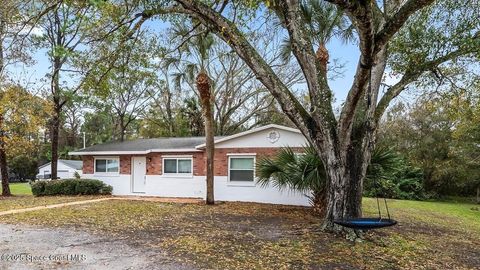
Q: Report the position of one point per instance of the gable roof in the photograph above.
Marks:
(251, 131)
(173, 144)
(74, 164)
(144, 146)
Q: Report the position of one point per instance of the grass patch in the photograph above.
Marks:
(19, 202)
(19, 189)
(257, 236)
(464, 217)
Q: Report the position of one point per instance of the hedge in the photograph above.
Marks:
(70, 187)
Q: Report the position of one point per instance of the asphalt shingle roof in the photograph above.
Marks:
(148, 144)
(75, 164)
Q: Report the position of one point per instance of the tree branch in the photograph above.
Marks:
(398, 20)
(412, 75)
(227, 31)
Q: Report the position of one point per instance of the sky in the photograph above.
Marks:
(33, 76)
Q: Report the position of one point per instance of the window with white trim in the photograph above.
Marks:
(177, 166)
(241, 169)
(107, 165)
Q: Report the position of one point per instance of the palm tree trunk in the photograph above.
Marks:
(323, 56)
(204, 89)
(319, 201)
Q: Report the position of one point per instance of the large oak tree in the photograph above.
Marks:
(344, 143)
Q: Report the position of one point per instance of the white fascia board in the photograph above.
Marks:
(174, 150)
(117, 153)
(102, 153)
(241, 134)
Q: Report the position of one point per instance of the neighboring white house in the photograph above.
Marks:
(175, 167)
(65, 169)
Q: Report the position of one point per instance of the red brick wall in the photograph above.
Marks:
(154, 164)
(154, 161)
(221, 157)
(87, 164)
(125, 164)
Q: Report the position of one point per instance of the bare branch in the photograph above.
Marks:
(232, 35)
(398, 20)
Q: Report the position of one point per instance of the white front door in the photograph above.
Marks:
(139, 171)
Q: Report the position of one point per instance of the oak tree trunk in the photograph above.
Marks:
(55, 131)
(122, 129)
(4, 171)
(3, 156)
(344, 191)
(3, 163)
(478, 194)
(204, 89)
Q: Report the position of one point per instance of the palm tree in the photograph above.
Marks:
(204, 89)
(299, 171)
(325, 22)
(202, 44)
(304, 171)
(194, 58)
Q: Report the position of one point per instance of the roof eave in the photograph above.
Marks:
(116, 153)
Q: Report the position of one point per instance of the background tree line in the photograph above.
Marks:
(112, 79)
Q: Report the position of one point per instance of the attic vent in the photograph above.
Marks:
(273, 136)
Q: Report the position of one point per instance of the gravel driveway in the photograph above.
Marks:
(37, 248)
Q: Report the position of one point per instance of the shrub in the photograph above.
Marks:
(391, 176)
(38, 187)
(70, 187)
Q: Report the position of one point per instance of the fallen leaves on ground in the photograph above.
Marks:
(260, 236)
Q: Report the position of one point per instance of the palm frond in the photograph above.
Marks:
(300, 171)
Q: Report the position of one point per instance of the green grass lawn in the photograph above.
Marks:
(430, 235)
(19, 189)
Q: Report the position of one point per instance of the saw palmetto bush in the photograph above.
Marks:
(304, 171)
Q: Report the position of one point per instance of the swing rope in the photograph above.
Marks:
(370, 223)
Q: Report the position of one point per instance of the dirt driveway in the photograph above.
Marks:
(28, 247)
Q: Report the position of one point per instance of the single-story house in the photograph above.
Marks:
(175, 167)
(65, 169)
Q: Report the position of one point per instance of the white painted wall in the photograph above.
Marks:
(121, 183)
(260, 139)
(249, 192)
(194, 187)
(187, 187)
(63, 171)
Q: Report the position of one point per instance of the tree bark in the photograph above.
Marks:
(4, 171)
(478, 194)
(122, 129)
(344, 147)
(319, 202)
(3, 162)
(55, 131)
(204, 89)
(3, 156)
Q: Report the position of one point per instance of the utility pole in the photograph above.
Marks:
(84, 140)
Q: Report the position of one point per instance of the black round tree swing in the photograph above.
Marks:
(369, 223)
